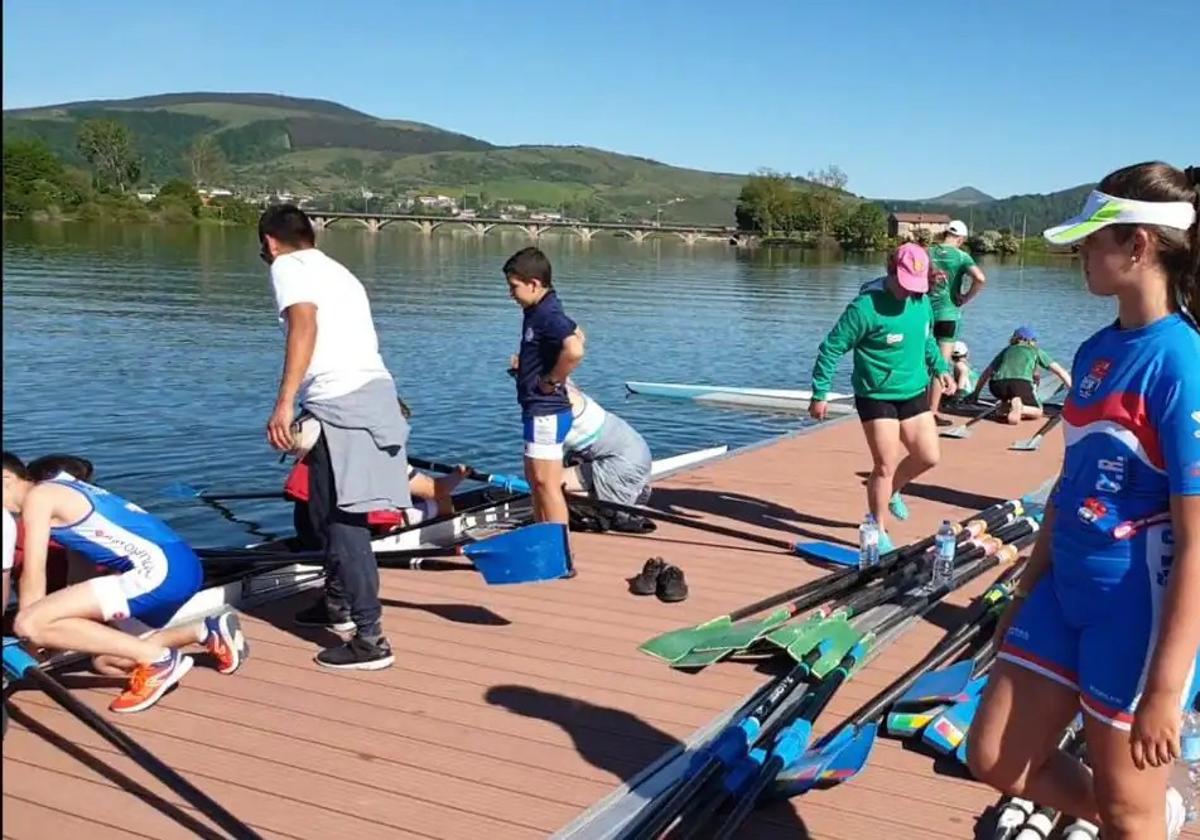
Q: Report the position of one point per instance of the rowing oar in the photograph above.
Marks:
(523, 555)
(797, 638)
(180, 490)
(511, 483)
(746, 782)
(18, 664)
(963, 430)
(842, 754)
(674, 644)
(735, 742)
(1034, 443)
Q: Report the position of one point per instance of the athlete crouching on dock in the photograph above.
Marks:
(154, 573)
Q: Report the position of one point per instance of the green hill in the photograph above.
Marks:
(314, 147)
(1035, 211)
(963, 196)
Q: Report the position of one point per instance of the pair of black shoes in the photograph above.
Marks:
(659, 578)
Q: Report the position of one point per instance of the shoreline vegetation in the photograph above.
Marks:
(776, 209)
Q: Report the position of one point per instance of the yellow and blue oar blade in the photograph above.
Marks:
(940, 686)
(949, 729)
(904, 724)
(525, 555)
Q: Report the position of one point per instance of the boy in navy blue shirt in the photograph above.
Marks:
(551, 348)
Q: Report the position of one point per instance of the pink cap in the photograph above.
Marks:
(912, 268)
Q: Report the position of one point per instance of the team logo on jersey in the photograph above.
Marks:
(895, 338)
(529, 333)
(1089, 383)
(1196, 417)
(1111, 474)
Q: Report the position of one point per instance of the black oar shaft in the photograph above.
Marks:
(143, 757)
(439, 467)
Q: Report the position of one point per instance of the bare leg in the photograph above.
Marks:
(919, 436)
(71, 619)
(170, 637)
(571, 480)
(545, 477)
(1131, 801)
(441, 489)
(1013, 742)
(1014, 411)
(1031, 412)
(883, 439)
(935, 387)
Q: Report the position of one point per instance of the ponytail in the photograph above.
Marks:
(1188, 288)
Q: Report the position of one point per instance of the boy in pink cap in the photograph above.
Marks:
(889, 328)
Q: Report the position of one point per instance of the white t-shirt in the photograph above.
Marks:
(346, 355)
(10, 538)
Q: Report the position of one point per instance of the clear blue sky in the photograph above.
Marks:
(1016, 96)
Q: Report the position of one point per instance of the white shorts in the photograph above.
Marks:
(544, 435)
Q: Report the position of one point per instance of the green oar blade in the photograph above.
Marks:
(790, 634)
(743, 633)
(701, 658)
(837, 640)
(676, 643)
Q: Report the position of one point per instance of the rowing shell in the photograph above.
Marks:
(774, 398)
(477, 510)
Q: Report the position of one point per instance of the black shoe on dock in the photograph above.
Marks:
(671, 585)
(358, 654)
(646, 583)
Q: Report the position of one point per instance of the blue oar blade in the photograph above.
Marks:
(824, 552)
(511, 483)
(937, 687)
(525, 555)
(949, 729)
(17, 661)
(960, 754)
(799, 776)
(180, 490)
(852, 758)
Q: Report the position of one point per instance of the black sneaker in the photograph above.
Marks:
(647, 582)
(627, 523)
(671, 585)
(358, 654)
(319, 615)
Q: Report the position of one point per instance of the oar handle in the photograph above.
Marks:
(143, 757)
(250, 557)
(511, 483)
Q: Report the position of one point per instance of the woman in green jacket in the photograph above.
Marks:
(889, 328)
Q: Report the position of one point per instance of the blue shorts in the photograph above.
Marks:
(153, 590)
(544, 435)
(1091, 625)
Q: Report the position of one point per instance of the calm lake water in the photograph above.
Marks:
(155, 351)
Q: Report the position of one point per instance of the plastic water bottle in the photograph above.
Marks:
(946, 545)
(868, 542)
(1189, 757)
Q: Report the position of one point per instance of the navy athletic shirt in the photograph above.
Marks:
(542, 333)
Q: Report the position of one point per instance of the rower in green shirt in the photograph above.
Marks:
(1011, 376)
(950, 290)
(888, 326)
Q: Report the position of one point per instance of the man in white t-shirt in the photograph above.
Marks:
(333, 368)
(10, 548)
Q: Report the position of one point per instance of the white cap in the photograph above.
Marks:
(959, 349)
(957, 227)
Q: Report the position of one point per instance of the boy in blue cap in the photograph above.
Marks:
(1012, 376)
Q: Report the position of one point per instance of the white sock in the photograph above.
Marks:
(1176, 813)
(202, 632)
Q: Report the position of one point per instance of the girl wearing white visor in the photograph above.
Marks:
(1105, 617)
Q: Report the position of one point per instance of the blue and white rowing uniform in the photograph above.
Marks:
(155, 571)
(1132, 427)
(614, 460)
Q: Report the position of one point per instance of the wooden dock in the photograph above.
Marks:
(512, 711)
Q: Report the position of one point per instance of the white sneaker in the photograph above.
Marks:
(1176, 813)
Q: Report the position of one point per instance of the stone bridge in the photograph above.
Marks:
(481, 226)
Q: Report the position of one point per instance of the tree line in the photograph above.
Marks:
(818, 207)
(36, 181)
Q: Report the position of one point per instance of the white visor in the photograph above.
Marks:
(1102, 209)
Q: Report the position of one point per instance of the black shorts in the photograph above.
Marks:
(945, 330)
(1014, 389)
(873, 409)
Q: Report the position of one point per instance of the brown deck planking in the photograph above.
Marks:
(511, 710)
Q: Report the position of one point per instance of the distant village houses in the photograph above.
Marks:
(910, 225)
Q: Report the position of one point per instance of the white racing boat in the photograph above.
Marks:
(779, 399)
(480, 509)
